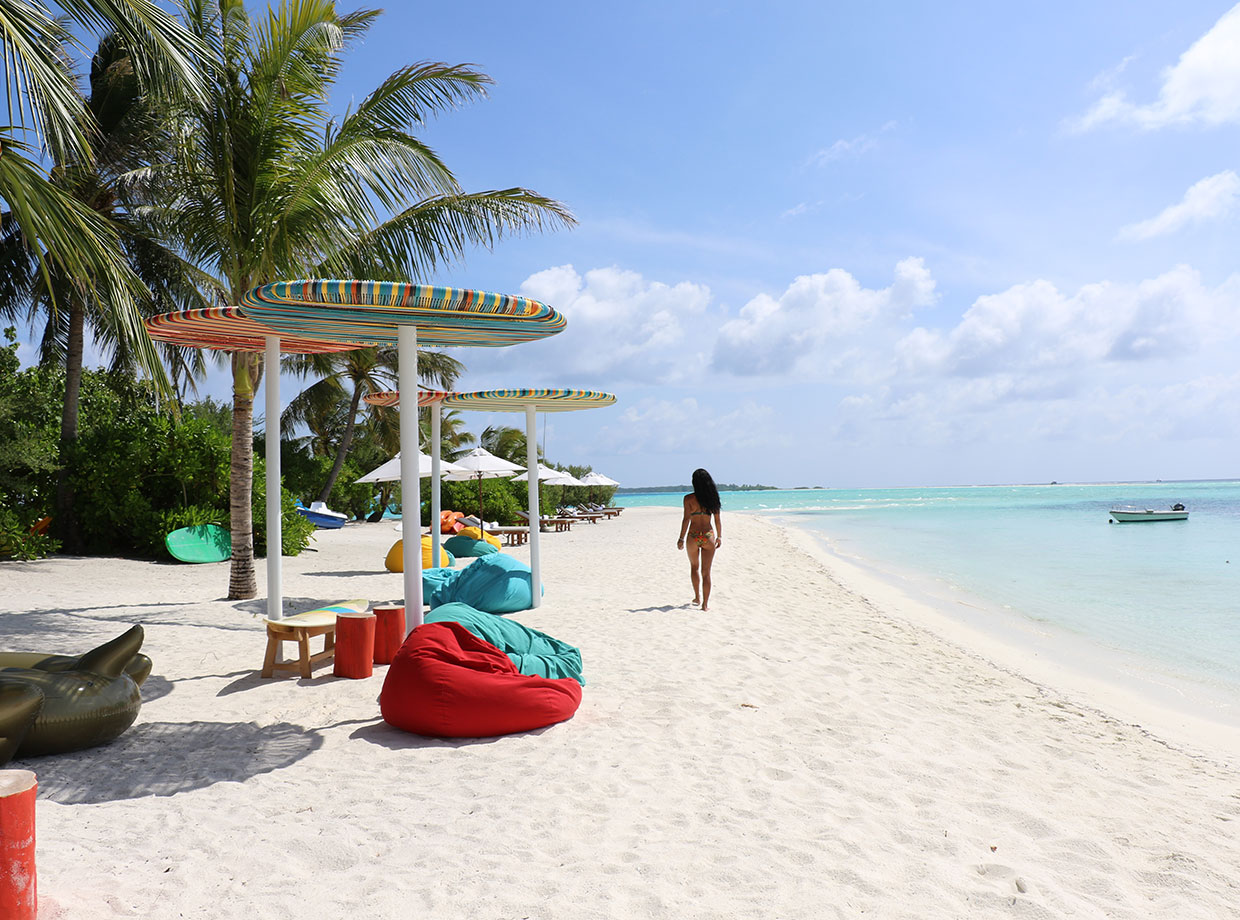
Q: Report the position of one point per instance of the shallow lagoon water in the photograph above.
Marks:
(1164, 595)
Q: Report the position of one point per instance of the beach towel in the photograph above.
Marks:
(496, 584)
(462, 545)
(533, 652)
(447, 683)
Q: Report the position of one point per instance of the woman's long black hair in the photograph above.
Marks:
(705, 492)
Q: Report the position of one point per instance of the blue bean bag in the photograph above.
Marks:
(497, 584)
(533, 652)
(461, 545)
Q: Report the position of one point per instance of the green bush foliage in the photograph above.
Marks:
(19, 539)
(176, 518)
(303, 475)
(501, 498)
(295, 530)
(29, 432)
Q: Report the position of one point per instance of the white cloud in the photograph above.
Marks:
(621, 328)
(1034, 328)
(1212, 198)
(1203, 86)
(849, 149)
(689, 426)
(804, 327)
(800, 208)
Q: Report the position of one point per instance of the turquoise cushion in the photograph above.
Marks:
(496, 584)
(533, 652)
(461, 545)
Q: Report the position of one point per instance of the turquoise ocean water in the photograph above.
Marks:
(1160, 600)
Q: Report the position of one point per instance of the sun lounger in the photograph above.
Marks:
(547, 524)
(513, 536)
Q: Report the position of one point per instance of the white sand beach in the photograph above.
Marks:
(800, 751)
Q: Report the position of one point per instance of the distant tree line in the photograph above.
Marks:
(722, 486)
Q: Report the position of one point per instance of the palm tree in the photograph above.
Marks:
(66, 236)
(454, 438)
(271, 187)
(108, 181)
(351, 375)
(505, 441)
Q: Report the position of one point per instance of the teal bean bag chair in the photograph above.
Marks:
(496, 584)
(461, 545)
(533, 652)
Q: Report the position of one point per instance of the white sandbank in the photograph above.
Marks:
(803, 750)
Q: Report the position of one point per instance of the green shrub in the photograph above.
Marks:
(176, 518)
(18, 539)
(295, 530)
(500, 498)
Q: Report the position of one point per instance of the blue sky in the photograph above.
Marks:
(860, 245)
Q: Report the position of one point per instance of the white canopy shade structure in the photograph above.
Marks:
(390, 470)
(544, 473)
(564, 479)
(530, 401)
(481, 464)
(597, 479)
(397, 313)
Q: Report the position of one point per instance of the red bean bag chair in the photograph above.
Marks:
(448, 683)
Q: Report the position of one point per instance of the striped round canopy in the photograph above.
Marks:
(392, 397)
(371, 312)
(543, 400)
(225, 328)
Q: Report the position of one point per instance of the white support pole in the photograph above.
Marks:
(410, 494)
(436, 500)
(531, 462)
(275, 590)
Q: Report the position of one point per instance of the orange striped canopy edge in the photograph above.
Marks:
(226, 329)
(392, 398)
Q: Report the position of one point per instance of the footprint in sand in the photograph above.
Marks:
(1003, 878)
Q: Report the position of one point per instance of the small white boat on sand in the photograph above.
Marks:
(1176, 512)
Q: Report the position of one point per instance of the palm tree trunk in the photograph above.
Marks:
(64, 517)
(342, 450)
(241, 582)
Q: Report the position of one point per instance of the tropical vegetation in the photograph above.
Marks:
(232, 166)
(265, 184)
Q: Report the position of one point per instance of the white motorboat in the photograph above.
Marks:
(1176, 512)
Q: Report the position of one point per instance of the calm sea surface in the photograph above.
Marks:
(1164, 597)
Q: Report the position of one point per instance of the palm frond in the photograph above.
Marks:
(415, 242)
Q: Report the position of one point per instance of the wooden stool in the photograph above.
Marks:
(389, 633)
(355, 651)
(300, 629)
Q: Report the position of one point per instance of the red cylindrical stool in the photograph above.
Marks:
(19, 889)
(355, 644)
(389, 633)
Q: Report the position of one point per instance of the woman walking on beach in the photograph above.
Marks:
(700, 505)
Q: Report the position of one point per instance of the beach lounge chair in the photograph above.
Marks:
(547, 523)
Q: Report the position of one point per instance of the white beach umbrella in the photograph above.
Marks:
(481, 464)
(390, 471)
(544, 474)
(597, 479)
(564, 479)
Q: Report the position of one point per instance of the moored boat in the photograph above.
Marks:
(321, 516)
(1176, 512)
